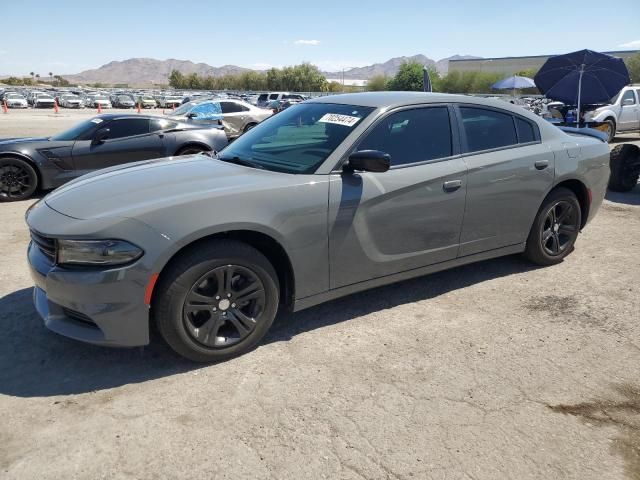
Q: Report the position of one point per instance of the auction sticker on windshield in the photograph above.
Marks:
(96, 120)
(345, 120)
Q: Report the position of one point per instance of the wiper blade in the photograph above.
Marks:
(241, 161)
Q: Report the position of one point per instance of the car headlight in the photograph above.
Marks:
(97, 252)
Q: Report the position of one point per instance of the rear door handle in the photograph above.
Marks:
(542, 164)
(452, 185)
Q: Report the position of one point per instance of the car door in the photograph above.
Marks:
(629, 112)
(128, 140)
(407, 217)
(509, 172)
(234, 117)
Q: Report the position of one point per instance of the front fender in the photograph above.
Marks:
(604, 114)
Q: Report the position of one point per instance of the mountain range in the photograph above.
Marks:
(148, 71)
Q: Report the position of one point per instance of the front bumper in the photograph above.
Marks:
(103, 307)
(99, 305)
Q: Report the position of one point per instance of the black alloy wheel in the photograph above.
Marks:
(18, 179)
(560, 228)
(216, 300)
(224, 306)
(555, 228)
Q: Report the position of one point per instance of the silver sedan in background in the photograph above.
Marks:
(237, 116)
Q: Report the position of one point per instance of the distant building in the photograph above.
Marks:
(511, 65)
(349, 82)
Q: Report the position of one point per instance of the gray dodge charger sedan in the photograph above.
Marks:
(327, 198)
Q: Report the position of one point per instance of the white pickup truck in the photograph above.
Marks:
(622, 115)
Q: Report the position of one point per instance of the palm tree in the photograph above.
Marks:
(38, 76)
(51, 77)
(32, 74)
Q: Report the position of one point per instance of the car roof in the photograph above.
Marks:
(400, 99)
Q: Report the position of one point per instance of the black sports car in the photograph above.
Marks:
(27, 164)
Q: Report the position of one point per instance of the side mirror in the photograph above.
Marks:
(368, 161)
(191, 115)
(628, 101)
(100, 136)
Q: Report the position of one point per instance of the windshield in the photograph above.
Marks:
(298, 139)
(123, 98)
(79, 131)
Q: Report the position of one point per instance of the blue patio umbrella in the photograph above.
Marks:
(583, 77)
(513, 83)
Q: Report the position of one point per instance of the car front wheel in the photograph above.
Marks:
(18, 180)
(216, 301)
(555, 228)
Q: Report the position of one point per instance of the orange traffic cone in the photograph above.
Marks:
(55, 105)
(5, 109)
(99, 109)
(138, 107)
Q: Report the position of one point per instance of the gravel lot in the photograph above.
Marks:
(490, 371)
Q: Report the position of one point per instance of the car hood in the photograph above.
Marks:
(5, 142)
(136, 188)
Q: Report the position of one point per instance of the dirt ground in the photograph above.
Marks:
(490, 371)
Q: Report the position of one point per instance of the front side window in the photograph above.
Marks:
(628, 95)
(207, 110)
(412, 136)
(298, 139)
(128, 127)
(486, 129)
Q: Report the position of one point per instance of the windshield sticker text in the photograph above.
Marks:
(345, 120)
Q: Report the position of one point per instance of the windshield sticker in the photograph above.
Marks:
(96, 120)
(344, 120)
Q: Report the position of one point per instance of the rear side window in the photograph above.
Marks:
(526, 132)
(128, 127)
(162, 124)
(412, 136)
(230, 107)
(487, 129)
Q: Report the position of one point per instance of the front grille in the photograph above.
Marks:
(78, 316)
(45, 244)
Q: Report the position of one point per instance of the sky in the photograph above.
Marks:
(70, 36)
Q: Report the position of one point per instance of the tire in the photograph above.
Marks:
(249, 127)
(191, 150)
(610, 129)
(18, 180)
(625, 167)
(197, 315)
(555, 228)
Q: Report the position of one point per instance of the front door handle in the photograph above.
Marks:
(452, 185)
(541, 164)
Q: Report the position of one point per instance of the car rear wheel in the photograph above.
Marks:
(217, 301)
(18, 180)
(555, 228)
(249, 127)
(191, 150)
